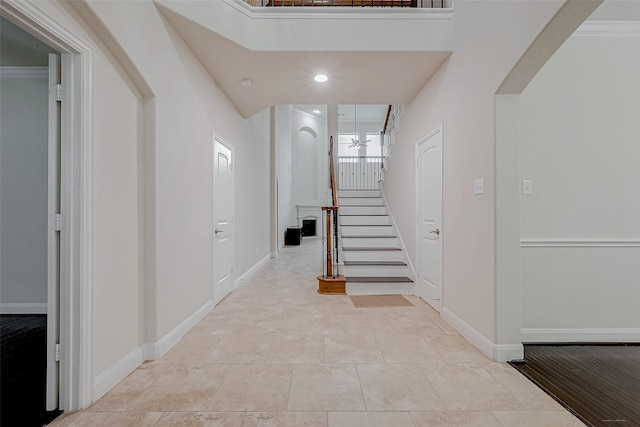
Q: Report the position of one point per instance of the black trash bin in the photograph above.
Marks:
(292, 236)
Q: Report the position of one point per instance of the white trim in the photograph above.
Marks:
(250, 272)
(579, 243)
(260, 12)
(76, 290)
(496, 352)
(609, 28)
(583, 335)
(155, 350)
(116, 373)
(23, 308)
(24, 72)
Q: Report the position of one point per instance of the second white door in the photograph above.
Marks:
(429, 204)
(222, 220)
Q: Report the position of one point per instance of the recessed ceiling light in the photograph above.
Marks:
(321, 78)
(246, 83)
(316, 111)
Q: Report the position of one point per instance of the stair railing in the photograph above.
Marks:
(331, 282)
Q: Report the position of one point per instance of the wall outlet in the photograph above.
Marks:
(478, 186)
(527, 187)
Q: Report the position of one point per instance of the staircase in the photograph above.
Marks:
(373, 261)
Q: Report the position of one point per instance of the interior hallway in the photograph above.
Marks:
(275, 353)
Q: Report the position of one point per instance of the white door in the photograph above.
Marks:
(429, 205)
(222, 220)
(53, 237)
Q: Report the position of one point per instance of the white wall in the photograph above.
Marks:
(116, 329)
(156, 110)
(489, 39)
(313, 151)
(580, 145)
(188, 109)
(24, 192)
(253, 194)
(286, 214)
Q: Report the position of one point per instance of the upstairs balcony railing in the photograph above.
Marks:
(350, 3)
(359, 172)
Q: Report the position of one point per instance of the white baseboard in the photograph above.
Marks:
(154, 351)
(23, 308)
(250, 272)
(496, 352)
(533, 335)
(116, 373)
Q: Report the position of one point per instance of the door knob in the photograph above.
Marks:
(436, 232)
(217, 231)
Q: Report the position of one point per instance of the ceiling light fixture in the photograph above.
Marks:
(246, 82)
(321, 78)
(316, 111)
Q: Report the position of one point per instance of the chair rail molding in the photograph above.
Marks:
(580, 243)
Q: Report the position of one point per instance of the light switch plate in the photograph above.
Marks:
(527, 187)
(478, 186)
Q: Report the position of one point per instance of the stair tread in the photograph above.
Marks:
(398, 263)
(378, 279)
(364, 248)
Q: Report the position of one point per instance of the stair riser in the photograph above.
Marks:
(374, 270)
(363, 210)
(368, 242)
(359, 193)
(351, 201)
(364, 220)
(380, 288)
(366, 230)
(372, 256)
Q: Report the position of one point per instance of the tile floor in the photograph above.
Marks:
(275, 353)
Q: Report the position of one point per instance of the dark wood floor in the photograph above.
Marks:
(23, 371)
(600, 384)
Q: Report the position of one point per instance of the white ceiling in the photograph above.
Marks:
(286, 77)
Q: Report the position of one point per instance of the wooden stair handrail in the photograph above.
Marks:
(331, 209)
(330, 283)
(332, 175)
(386, 120)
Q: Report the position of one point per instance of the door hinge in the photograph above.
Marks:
(59, 92)
(59, 222)
(57, 353)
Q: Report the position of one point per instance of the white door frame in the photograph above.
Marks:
(418, 198)
(76, 252)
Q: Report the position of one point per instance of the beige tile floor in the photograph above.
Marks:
(275, 353)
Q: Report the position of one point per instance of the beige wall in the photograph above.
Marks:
(580, 145)
(490, 38)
